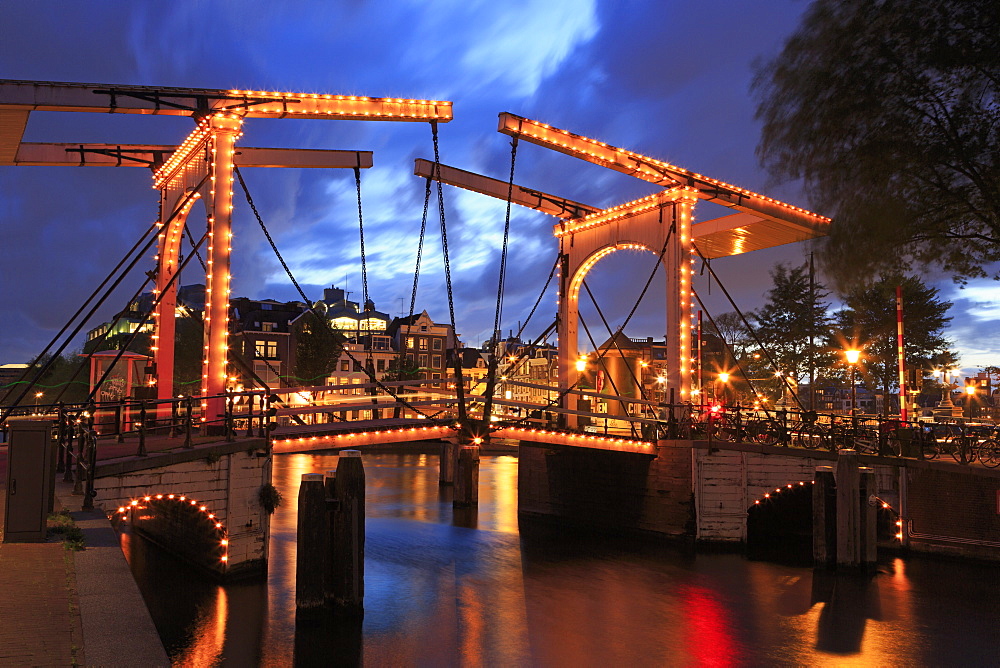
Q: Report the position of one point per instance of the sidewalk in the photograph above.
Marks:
(63, 608)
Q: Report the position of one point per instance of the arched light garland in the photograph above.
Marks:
(180, 498)
(778, 490)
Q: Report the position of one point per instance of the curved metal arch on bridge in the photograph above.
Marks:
(660, 223)
(202, 165)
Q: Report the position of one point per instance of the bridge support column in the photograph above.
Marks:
(824, 500)
(868, 531)
(467, 477)
(849, 522)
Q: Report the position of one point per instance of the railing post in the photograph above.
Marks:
(188, 422)
(250, 416)
(89, 494)
(264, 403)
(120, 421)
(78, 478)
(61, 431)
(227, 421)
(175, 429)
(141, 452)
(962, 443)
(68, 448)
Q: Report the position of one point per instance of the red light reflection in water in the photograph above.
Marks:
(707, 629)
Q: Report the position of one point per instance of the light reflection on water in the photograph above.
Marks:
(445, 589)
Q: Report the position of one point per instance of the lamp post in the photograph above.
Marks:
(970, 396)
(38, 395)
(853, 356)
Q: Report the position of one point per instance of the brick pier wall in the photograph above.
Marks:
(225, 479)
(690, 490)
(611, 491)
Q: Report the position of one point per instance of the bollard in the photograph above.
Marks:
(311, 545)
(848, 510)
(467, 477)
(824, 499)
(446, 466)
(348, 535)
(868, 516)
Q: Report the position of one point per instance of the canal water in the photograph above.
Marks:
(452, 589)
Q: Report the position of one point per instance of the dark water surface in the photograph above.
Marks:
(451, 589)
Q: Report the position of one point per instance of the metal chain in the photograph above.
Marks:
(492, 369)
(459, 387)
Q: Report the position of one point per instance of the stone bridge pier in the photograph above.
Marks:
(203, 504)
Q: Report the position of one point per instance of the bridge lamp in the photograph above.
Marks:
(581, 363)
(970, 392)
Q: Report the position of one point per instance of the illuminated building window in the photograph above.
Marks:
(423, 343)
(267, 350)
(409, 342)
(345, 365)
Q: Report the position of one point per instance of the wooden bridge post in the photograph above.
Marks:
(848, 510)
(446, 466)
(868, 515)
(312, 545)
(824, 499)
(467, 477)
(348, 536)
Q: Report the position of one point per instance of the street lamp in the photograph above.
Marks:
(970, 393)
(853, 356)
(38, 395)
(723, 379)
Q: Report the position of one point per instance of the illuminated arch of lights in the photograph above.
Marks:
(768, 495)
(219, 527)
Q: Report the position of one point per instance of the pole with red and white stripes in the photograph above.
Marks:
(899, 347)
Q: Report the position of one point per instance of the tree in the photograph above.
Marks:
(869, 321)
(317, 349)
(889, 112)
(793, 323)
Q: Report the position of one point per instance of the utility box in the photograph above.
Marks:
(31, 478)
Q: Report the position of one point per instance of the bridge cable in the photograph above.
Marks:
(416, 277)
(322, 319)
(463, 418)
(746, 323)
(163, 293)
(100, 339)
(492, 367)
(148, 244)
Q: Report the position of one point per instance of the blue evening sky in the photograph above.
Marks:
(668, 78)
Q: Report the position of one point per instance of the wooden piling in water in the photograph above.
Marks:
(467, 477)
(824, 499)
(848, 510)
(312, 545)
(348, 534)
(446, 465)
